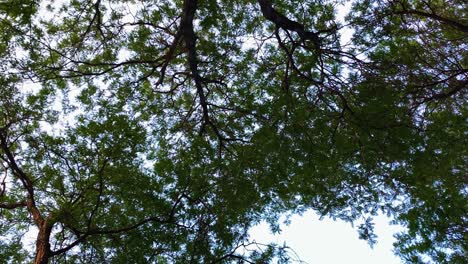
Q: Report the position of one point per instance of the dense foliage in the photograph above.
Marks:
(161, 131)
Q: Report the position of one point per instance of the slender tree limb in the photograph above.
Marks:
(450, 22)
(289, 54)
(91, 232)
(25, 180)
(10, 206)
(283, 22)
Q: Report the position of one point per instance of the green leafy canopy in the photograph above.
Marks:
(161, 131)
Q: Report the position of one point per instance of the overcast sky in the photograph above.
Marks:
(332, 242)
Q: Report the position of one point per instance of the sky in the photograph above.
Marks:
(331, 242)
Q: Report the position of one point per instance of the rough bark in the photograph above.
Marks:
(43, 252)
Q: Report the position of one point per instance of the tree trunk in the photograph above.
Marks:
(43, 244)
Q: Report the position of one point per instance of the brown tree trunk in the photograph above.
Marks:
(43, 244)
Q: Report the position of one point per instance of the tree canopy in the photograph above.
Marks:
(161, 131)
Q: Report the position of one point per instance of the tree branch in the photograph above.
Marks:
(13, 205)
(25, 180)
(190, 6)
(452, 23)
(283, 22)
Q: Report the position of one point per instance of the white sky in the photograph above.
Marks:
(331, 242)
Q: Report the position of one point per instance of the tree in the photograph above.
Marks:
(160, 131)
